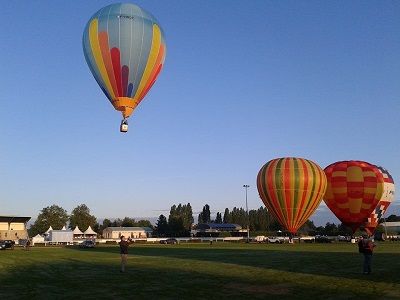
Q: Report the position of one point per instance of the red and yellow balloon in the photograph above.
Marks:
(291, 189)
(354, 189)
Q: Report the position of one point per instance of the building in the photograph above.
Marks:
(13, 228)
(128, 232)
(215, 229)
(392, 227)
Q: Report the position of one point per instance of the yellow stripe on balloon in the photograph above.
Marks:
(339, 174)
(292, 190)
(369, 174)
(155, 46)
(95, 46)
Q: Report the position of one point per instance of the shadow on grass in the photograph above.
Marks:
(91, 278)
(336, 264)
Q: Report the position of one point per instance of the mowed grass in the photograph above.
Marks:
(201, 271)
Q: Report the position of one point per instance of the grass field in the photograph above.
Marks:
(201, 271)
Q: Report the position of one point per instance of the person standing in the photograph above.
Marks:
(123, 246)
(366, 247)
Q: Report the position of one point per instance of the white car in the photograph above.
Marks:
(260, 239)
(275, 240)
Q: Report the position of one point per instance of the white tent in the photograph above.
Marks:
(37, 239)
(77, 231)
(64, 228)
(90, 232)
(48, 230)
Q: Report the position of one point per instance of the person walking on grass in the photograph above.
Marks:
(366, 247)
(123, 246)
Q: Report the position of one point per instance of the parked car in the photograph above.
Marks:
(171, 241)
(260, 239)
(7, 244)
(322, 239)
(87, 244)
(275, 240)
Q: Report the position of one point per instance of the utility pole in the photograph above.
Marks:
(246, 186)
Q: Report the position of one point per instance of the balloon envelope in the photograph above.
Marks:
(291, 189)
(384, 202)
(354, 189)
(125, 49)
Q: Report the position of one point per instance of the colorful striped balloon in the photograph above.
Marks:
(125, 49)
(384, 202)
(354, 189)
(291, 189)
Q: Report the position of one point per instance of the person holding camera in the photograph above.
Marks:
(123, 246)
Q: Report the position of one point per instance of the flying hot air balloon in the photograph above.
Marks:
(291, 189)
(354, 189)
(384, 202)
(125, 49)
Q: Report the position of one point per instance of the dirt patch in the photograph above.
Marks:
(271, 289)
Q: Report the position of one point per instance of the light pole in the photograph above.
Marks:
(246, 186)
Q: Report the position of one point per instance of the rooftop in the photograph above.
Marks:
(128, 228)
(223, 226)
(14, 219)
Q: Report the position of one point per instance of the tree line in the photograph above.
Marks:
(180, 221)
(57, 217)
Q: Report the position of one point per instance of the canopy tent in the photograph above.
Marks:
(37, 239)
(77, 231)
(64, 228)
(90, 232)
(48, 230)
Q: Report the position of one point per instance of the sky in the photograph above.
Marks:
(244, 82)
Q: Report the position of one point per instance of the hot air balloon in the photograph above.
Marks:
(384, 202)
(125, 49)
(354, 189)
(291, 189)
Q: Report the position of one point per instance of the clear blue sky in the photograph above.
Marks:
(244, 82)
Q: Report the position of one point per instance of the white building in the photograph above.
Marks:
(128, 232)
(61, 236)
(392, 227)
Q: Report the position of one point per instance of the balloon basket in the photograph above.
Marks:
(124, 126)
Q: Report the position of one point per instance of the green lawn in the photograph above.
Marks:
(201, 271)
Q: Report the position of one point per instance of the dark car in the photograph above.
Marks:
(87, 244)
(322, 239)
(169, 241)
(7, 244)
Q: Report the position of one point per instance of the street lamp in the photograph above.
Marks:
(246, 186)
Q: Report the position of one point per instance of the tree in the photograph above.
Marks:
(106, 223)
(54, 216)
(128, 222)
(308, 228)
(205, 215)
(116, 223)
(218, 218)
(81, 217)
(227, 216)
(180, 220)
(175, 221)
(393, 218)
(144, 223)
(187, 216)
(162, 228)
(344, 230)
(331, 229)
